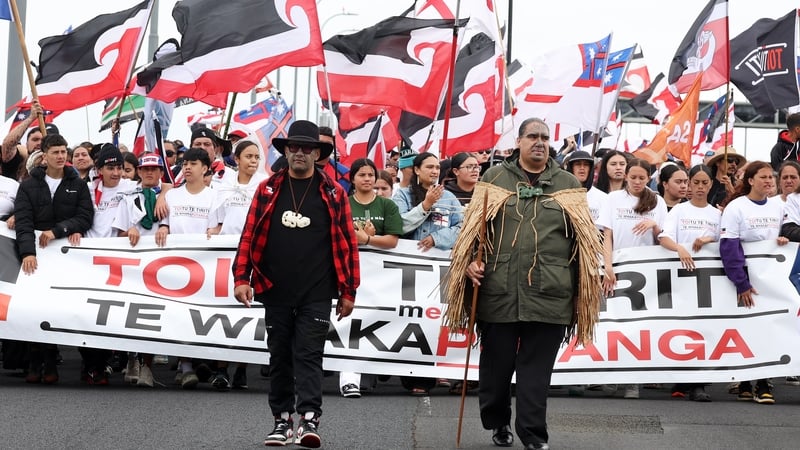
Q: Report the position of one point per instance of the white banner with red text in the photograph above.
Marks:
(664, 324)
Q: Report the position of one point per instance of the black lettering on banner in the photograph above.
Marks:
(203, 328)
(632, 292)
(412, 329)
(356, 333)
(409, 277)
(261, 330)
(105, 307)
(135, 314)
(333, 337)
(410, 311)
(664, 287)
(703, 282)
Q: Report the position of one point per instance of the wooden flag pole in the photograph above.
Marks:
(230, 115)
(450, 81)
(471, 325)
(27, 61)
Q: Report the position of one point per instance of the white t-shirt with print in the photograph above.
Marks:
(748, 221)
(8, 195)
(617, 214)
(188, 213)
(596, 199)
(232, 203)
(106, 208)
(686, 222)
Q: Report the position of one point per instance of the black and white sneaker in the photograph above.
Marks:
(220, 381)
(281, 435)
(351, 391)
(307, 434)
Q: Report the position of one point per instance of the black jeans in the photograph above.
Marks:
(296, 340)
(530, 348)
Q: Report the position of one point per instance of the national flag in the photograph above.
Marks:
(350, 116)
(281, 118)
(703, 50)
(520, 78)
(93, 62)
(400, 62)
(616, 68)
(212, 118)
(677, 136)
(255, 113)
(711, 132)
(763, 59)
(162, 112)
(23, 112)
(132, 109)
(5, 10)
(230, 46)
(476, 103)
(658, 101)
(637, 79)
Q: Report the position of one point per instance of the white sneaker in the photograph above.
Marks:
(351, 391)
(145, 377)
(632, 391)
(132, 371)
(161, 360)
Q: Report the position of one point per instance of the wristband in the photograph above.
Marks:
(367, 243)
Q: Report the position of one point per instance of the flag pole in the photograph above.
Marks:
(230, 116)
(471, 324)
(596, 131)
(450, 80)
(335, 123)
(133, 65)
(509, 95)
(27, 61)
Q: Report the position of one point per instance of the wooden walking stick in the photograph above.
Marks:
(471, 325)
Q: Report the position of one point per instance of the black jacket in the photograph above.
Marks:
(69, 211)
(782, 151)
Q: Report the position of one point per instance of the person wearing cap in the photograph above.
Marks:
(406, 166)
(58, 203)
(216, 147)
(581, 164)
(723, 169)
(299, 211)
(786, 149)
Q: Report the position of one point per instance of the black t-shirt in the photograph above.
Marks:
(299, 261)
(11, 168)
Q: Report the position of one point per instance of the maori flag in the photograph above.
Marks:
(230, 46)
(704, 50)
(92, 62)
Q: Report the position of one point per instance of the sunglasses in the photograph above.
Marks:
(732, 161)
(471, 167)
(170, 153)
(305, 148)
(484, 152)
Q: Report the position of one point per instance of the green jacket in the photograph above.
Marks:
(530, 274)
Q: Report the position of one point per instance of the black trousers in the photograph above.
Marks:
(530, 349)
(296, 340)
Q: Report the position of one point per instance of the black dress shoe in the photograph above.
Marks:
(502, 437)
(539, 446)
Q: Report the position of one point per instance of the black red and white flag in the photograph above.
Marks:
(637, 79)
(92, 62)
(476, 106)
(400, 61)
(657, 102)
(230, 46)
(763, 62)
(704, 49)
(372, 140)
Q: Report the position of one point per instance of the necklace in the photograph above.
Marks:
(293, 219)
(374, 196)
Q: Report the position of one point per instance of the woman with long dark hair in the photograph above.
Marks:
(465, 172)
(673, 183)
(612, 171)
(750, 215)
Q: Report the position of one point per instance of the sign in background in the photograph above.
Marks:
(664, 324)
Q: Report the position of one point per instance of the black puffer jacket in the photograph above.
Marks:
(69, 211)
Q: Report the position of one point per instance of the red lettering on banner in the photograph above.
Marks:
(196, 276)
(223, 273)
(587, 350)
(433, 312)
(696, 350)
(115, 265)
(617, 337)
(446, 340)
(740, 346)
(4, 301)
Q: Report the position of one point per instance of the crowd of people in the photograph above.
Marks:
(315, 205)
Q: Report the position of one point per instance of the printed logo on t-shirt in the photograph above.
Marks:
(111, 203)
(630, 214)
(760, 223)
(689, 224)
(195, 212)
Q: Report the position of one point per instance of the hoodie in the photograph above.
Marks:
(784, 150)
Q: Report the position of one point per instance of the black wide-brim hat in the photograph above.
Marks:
(227, 146)
(303, 132)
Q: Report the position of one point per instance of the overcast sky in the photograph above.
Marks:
(538, 26)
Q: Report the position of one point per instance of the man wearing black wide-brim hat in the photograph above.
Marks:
(298, 251)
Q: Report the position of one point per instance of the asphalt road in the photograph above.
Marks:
(73, 416)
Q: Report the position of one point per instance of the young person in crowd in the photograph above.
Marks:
(82, 161)
(130, 167)
(377, 223)
(384, 184)
(631, 217)
(690, 226)
(56, 202)
(465, 172)
(233, 198)
(612, 171)
(431, 216)
(788, 178)
(750, 215)
(673, 184)
(189, 210)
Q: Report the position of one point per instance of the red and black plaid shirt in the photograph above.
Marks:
(252, 245)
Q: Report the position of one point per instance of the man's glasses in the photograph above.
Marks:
(484, 152)
(306, 148)
(536, 136)
(471, 167)
(170, 153)
(732, 161)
